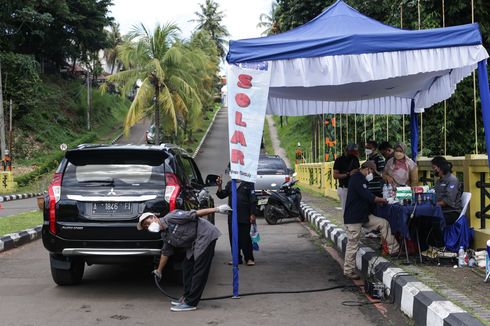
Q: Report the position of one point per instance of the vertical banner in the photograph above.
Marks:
(248, 89)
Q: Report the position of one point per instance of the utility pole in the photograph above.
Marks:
(2, 122)
(10, 129)
(89, 100)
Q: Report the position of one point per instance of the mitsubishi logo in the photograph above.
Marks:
(112, 192)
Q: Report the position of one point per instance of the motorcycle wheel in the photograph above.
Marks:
(269, 215)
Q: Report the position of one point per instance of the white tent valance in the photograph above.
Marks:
(370, 83)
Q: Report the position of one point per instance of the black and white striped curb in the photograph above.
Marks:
(14, 240)
(115, 140)
(19, 196)
(206, 134)
(414, 298)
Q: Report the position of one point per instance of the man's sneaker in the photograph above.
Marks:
(183, 307)
(177, 302)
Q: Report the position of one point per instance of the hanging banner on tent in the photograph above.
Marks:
(248, 89)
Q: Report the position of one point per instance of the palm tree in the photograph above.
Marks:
(163, 65)
(114, 39)
(209, 20)
(203, 47)
(269, 21)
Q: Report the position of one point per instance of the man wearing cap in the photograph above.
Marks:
(184, 229)
(343, 167)
(357, 216)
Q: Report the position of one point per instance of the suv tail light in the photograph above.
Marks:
(54, 192)
(287, 179)
(172, 189)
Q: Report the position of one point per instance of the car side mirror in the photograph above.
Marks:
(211, 180)
(196, 184)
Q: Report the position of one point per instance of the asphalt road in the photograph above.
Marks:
(14, 207)
(290, 258)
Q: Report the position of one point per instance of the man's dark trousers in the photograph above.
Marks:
(245, 245)
(195, 274)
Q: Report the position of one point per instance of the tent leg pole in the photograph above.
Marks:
(414, 131)
(485, 101)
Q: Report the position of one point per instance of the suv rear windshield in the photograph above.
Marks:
(120, 175)
(271, 165)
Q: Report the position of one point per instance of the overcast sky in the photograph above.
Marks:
(241, 17)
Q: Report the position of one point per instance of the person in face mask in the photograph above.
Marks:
(447, 188)
(357, 216)
(184, 229)
(400, 170)
(372, 154)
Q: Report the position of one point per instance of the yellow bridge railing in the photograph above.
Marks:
(471, 169)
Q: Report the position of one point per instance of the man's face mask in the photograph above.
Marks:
(369, 177)
(368, 151)
(154, 227)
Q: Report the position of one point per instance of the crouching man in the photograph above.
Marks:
(357, 215)
(184, 229)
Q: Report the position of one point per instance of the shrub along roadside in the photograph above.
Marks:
(51, 163)
(19, 222)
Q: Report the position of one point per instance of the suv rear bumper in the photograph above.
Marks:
(109, 252)
(71, 247)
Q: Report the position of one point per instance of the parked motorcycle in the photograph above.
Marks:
(284, 203)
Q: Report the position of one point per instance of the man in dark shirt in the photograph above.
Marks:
(372, 154)
(357, 216)
(246, 211)
(343, 167)
(184, 229)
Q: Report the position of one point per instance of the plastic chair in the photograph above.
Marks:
(465, 201)
(459, 233)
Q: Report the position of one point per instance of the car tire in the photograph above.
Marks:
(70, 276)
(269, 215)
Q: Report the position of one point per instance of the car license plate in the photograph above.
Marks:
(262, 201)
(111, 208)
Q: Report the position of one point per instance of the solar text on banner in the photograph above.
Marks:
(248, 89)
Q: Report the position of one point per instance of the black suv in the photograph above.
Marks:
(97, 195)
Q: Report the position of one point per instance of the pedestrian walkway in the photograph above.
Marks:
(276, 144)
(462, 286)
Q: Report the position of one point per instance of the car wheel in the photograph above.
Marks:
(71, 276)
(269, 216)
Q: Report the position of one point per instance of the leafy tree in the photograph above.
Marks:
(54, 30)
(167, 70)
(209, 19)
(21, 88)
(269, 21)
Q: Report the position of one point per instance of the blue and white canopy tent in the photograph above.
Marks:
(343, 62)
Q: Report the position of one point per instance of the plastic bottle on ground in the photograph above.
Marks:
(385, 191)
(390, 191)
(461, 254)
